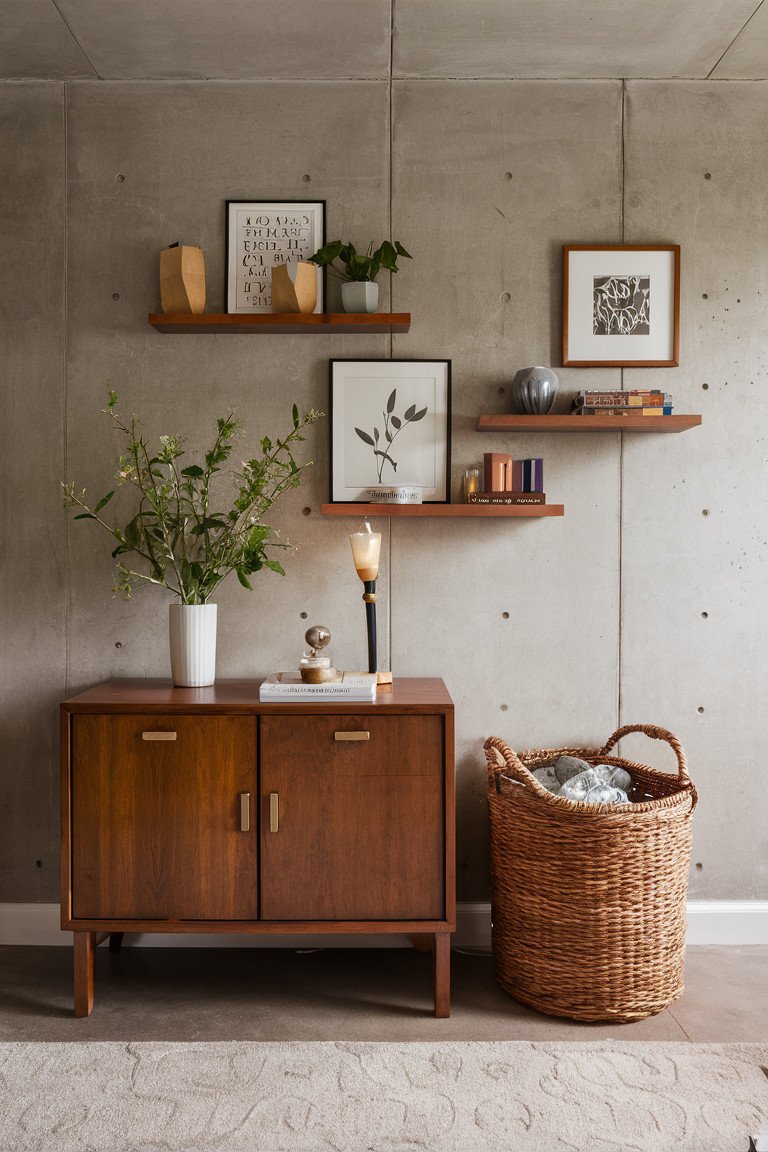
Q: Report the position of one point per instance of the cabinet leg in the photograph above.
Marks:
(115, 941)
(84, 948)
(421, 941)
(441, 958)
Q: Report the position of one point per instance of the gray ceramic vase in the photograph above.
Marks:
(534, 390)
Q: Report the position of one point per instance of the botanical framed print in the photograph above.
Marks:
(262, 234)
(390, 426)
(621, 305)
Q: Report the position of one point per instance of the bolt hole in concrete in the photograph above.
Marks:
(505, 707)
(705, 387)
(505, 615)
(306, 511)
(115, 295)
(118, 644)
(505, 297)
(120, 178)
(705, 511)
(705, 296)
(707, 175)
(700, 710)
(507, 175)
(699, 866)
(303, 615)
(705, 615)
(306, 178)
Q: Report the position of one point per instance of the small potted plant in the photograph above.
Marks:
(359, 291)
(186, 540)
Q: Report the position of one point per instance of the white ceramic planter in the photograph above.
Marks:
(192, 632)
(360, 296)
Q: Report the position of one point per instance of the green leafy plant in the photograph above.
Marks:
(184, 541)
(356, 265)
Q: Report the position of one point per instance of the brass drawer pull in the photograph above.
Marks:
(245, 811)
(351, 735)
(158, 735)
(274, 812)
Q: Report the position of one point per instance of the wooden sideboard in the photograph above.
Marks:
(202, 810)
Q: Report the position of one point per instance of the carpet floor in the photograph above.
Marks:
(358, 1097)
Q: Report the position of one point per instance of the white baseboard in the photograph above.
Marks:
(709, 922)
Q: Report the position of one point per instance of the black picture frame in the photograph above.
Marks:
(317, 241)
(381, 370)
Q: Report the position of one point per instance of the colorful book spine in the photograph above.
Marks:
(599, 410)
(623, 399)
(506, 498)
(497, 470)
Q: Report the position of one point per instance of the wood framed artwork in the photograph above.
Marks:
(390, 426)
(262, 234)
(621, 305)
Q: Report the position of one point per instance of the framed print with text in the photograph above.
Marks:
(262, 234)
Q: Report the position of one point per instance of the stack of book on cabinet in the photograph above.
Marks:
(284, 688)
(634, 403)
(508, 481)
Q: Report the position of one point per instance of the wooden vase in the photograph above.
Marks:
(182, 279)
(294, 287)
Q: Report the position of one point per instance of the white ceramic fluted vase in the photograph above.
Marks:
(192, 631)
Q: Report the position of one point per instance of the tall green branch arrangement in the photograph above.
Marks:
(183, 540)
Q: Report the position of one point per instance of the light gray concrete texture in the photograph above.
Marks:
(35, 43)
(183, 151)
(747, 57)
(692, 152)
(563, 38)
(233, 39)
(492, 179)
(32, 562)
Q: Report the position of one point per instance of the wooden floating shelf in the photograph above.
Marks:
(514, 423)
(477, 511)
(342, 323)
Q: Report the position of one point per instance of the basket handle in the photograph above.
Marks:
(499, 755)
(654, 733)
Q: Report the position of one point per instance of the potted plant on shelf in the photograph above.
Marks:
(184, 541)
(359, 292)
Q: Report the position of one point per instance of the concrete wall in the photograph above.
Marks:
(483, 181)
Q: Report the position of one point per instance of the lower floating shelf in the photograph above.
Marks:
(478, 511)
(343, 323)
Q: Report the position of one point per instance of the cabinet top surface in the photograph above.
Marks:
(418, 694)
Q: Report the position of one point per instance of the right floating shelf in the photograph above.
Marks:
(514, 423)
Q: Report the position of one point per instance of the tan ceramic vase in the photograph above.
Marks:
(182, 279)
(294, 287)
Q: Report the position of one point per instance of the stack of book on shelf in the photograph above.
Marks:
(634, 403)
(508, 481)
(283, 688)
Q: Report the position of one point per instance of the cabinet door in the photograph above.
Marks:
(156, 823)
(360, 823)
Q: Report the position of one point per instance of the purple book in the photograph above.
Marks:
(538, 475)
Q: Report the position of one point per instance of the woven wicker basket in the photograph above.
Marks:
(588, 900)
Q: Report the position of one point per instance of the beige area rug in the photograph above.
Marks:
(349, 1097)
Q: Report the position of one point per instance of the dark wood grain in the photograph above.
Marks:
(287, 323)
(506, 422)
(156, 829)
(232, 697)
(361, 824)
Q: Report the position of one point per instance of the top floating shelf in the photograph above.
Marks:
(514, 423)
(342, 323)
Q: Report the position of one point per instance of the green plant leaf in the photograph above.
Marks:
(193, 470)
(104, 501)
(365, 437)
(391, 401)
(295, 414)
(275, 566)
(244, 579)
(84, 516)
(401, 251)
